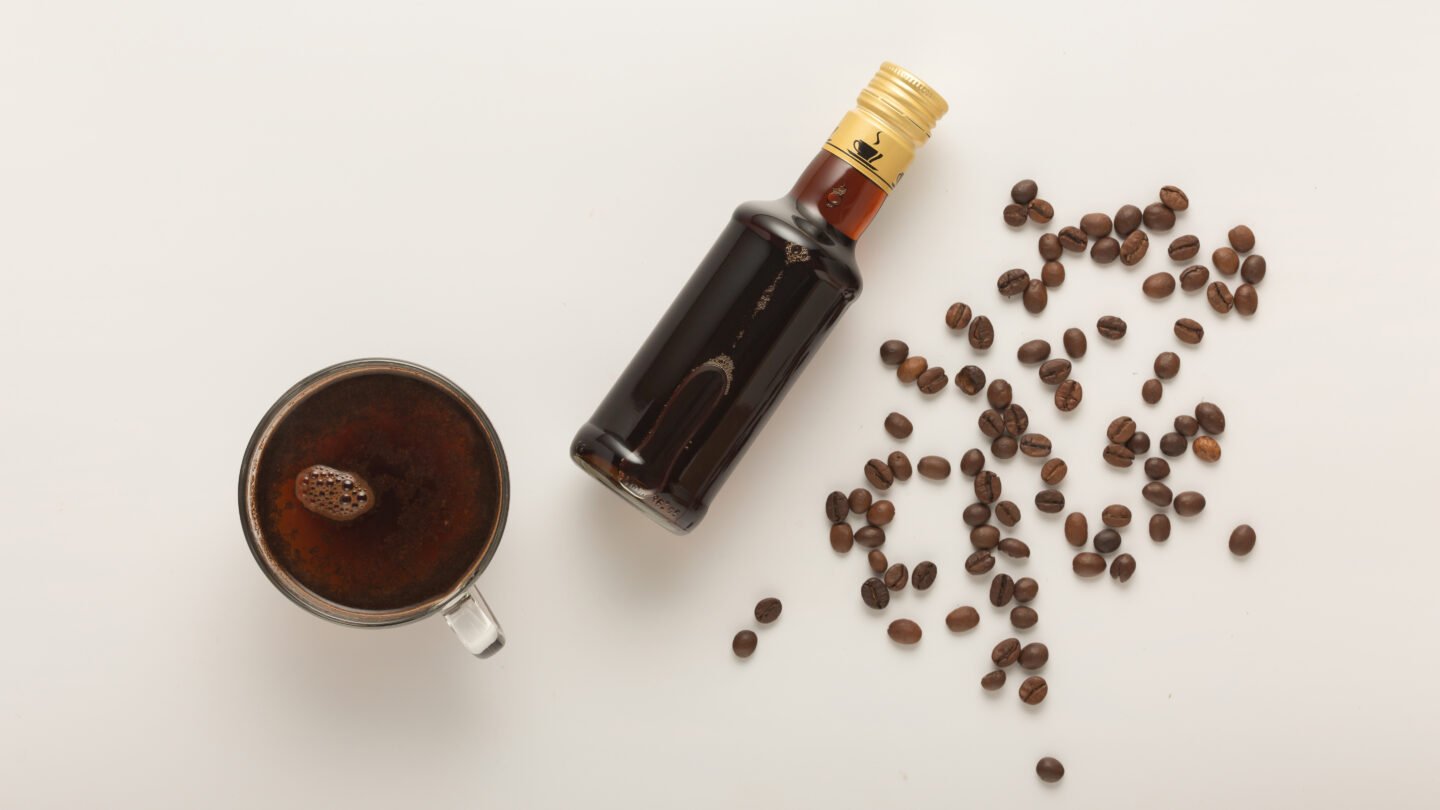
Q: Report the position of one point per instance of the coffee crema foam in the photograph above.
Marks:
(333, 493)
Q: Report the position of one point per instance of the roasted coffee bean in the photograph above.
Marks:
(897, 425)
(1206, 449)
(1014, 548)
(842, 537)
(1007, 513)
(1026, 589)
(1184, 247)
(1111, 327)
(1012, 282)
(1127, 219)
(1002, 590)
(911, 369)
(982, 334)
(1167, 365)
(1050, 501)
(1122, 568)
(936, 468)
(1035, 296)
(970, 379)
(1016, 215)
(870, 536)
(767, 610)
(1152, 391)
(1015, 419)
(1194, 277)
(1075, 342)
(985, 538)
(1159, 528)
(1049, 769)
(1077, 529)
(1242, 540)
(1034, 655)
(1004, 447)
(999, 394)
(859, 500)
(924, 576)
(1054, 471)
(1189, 504)
(894, 352)
(1068, 395)
(1173, 444)
(1052, 274)
(1157, 468)
(1158, 285)
(743, 645)
(932, 380)
(1246, 301)
(1073, 239)
(1050, 247)
(1105, 250)
(1242, 238)
(1157, 217)
(1033, 351)
(880, 513)
(962, 618)
(904, 631)
(958, 316)
(1219, 297)
(1134, 248)
(1023, 617)
(1189, 331)
(1173, 198)
(837, 507)
(1253, 269)
(993, 681)
(1139, 444)
(1088, 564)
(897, 576)
(1035, 445)
(987, 486)
(874, 593)
(1107, 541)
(973, 461)
(1024, 191)
(1055, 371)
(1156, 492)
(1121, 429)
(1187, 425)
(1041, 212)
(899, 464)
(878, 474)
(1033, 690)
(1210, 417)
(1226, 261)
(1096, 225)
(1116, 516)
(877, 561)
(1006, 652)
(1118, 455)
(979, 563)
(976, 514)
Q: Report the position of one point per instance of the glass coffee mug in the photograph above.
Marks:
(374, 493)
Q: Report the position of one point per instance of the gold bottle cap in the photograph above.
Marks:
(892, 118)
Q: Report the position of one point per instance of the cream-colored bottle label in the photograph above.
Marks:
(867, 144)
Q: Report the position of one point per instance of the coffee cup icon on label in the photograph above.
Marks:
(866, 152)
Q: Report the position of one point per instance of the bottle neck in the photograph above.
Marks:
(838, 194)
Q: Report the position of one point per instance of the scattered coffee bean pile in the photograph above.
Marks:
(1006, 423)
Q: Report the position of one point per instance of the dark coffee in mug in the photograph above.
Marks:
(378, 489)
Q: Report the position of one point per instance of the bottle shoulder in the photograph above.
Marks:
(784, 219)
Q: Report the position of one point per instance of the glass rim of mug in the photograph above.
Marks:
(296, 591)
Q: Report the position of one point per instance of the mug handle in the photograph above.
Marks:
(475, 625)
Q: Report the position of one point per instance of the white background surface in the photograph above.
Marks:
(511, 195)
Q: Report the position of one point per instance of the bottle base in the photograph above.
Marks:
(656, 505)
